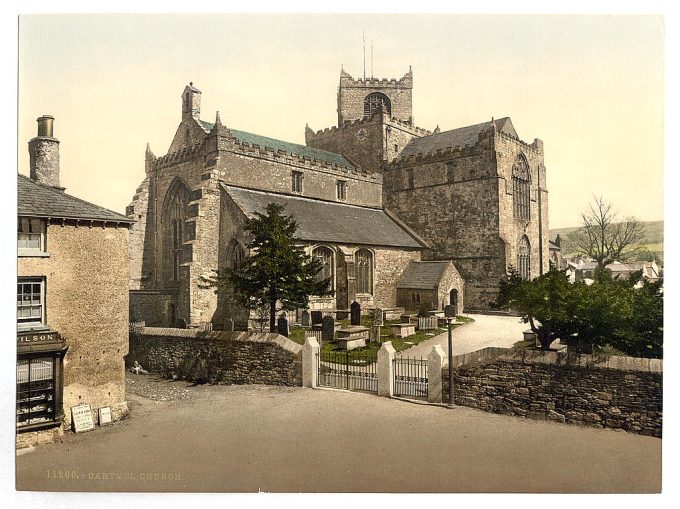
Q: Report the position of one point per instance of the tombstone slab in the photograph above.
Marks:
(305, 320)
(282, 326)
(328, 328)
(355, 313)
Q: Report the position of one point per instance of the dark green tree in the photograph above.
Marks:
(626, 314)
(278, 275)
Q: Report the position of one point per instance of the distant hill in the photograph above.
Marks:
(652, 241)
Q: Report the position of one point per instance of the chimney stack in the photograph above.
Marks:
(44, 153)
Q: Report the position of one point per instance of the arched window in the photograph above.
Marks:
(363, 262)
(373, 101)
(325, 256)
(520, 188)
(235, 254)
(524, 258)
(174, 235)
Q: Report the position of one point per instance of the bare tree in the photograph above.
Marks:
(605, 239)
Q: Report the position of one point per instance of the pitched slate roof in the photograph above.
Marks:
(423, 275)
(455, 137)
(39, 200)
(290, 148)
(323, 221)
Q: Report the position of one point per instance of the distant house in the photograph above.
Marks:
(584, 270)
(556, 259)
(432, 285)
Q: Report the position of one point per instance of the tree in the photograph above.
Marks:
(278, 275)
(603, 238)
(626, 314)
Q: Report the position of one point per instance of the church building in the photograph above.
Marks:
(372, 197)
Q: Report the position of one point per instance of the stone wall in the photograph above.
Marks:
(351, 95)
(614, 392)
(217, 357)
(86, 283)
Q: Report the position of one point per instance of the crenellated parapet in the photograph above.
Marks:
(310, 134)
(281, 156)
(347, 81)
(536, 146)
(180, 156)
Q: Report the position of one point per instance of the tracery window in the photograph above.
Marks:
(372, 103)
(325, 256)
(520, 188)
(524, 258)
(174, 215)
(363, 262)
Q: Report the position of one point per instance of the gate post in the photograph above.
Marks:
(310, 369)
(435, 363)
(385, 369)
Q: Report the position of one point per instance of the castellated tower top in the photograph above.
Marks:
(191, 102)
(361, 98)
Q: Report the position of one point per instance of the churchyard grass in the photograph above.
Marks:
(297, 334)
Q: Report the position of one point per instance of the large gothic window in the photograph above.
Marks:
(325, 257)
(373, 101)
(235, 254)
(524, 258)
(363, 261)
(520, 188)
(174, 235)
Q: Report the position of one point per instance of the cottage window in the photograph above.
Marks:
(30, 303)
(325, 257)
(31, 235)
(520, 188)
(341, 190)
(524, 258)
(296, 182)
(364, 271)
(374, 101)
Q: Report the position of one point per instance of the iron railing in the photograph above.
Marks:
(353, 371)
(410, 377)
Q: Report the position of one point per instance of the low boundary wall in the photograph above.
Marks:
(603, 392)
(217, 357)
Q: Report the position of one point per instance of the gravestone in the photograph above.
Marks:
(228, 325)
(377, 317)
(355, 313)
(317, 317)
(105, 416)
(305, 318)
(328, 328)
(283, 325)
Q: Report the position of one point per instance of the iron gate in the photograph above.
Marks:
(410, 377)
(353, 371)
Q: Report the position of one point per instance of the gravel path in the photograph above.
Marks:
(485, 331)
(155, 388)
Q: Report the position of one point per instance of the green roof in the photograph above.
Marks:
(290, 148)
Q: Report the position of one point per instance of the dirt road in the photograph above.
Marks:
(264, 438)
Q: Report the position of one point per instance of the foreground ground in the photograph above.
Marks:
(264, 438)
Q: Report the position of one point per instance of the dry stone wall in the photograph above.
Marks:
(618, 392)
(217, 357)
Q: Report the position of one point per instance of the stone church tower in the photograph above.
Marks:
(477, 194)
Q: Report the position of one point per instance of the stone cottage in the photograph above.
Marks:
(72, 299)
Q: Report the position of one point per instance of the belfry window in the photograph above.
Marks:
(364, 271)
(325, 257)
(374, 101)
(520, 189)
(341, 190)
(524, 258)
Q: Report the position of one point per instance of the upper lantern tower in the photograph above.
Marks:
(359, 99)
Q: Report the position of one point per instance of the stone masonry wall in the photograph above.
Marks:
(618, 392)
(351, 95)
(86, 280)
(217, 357)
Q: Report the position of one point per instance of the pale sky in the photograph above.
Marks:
(591, 87)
